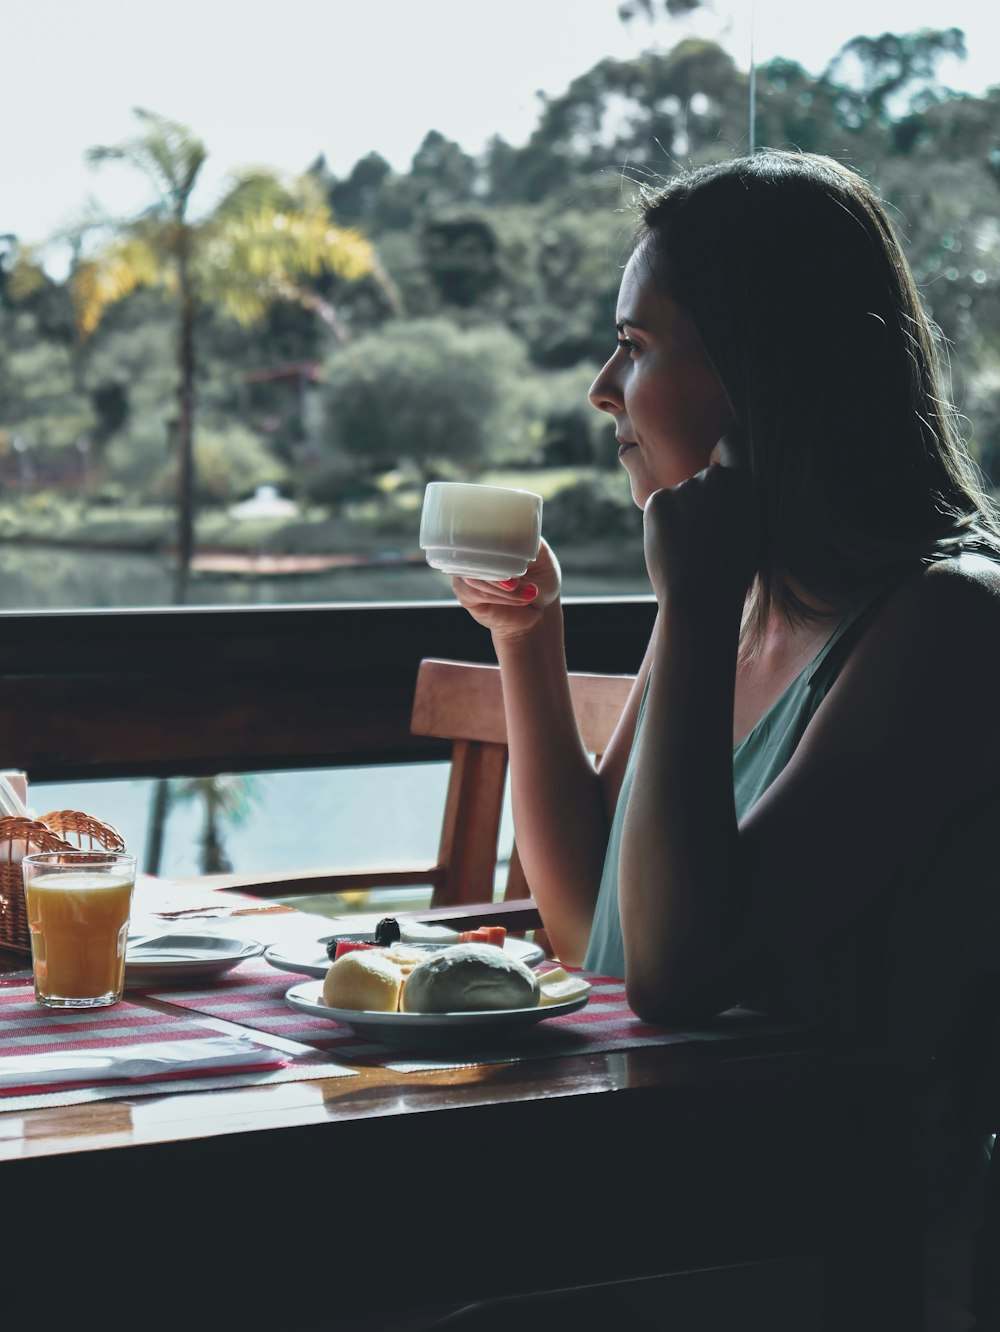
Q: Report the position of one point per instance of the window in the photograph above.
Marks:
(464, 291)
(457, 298)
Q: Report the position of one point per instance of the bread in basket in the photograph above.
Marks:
(60, 830)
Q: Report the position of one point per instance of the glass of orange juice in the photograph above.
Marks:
(78, 905)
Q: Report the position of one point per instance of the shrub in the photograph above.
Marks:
(427, 390)
(593, 506)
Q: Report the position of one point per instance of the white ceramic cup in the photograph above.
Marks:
(478, 531)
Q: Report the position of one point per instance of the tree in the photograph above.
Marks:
(646, 113)
(224, 799)
(460, 254)
(872, 75)
(440, 175)
(44, 416)
(428, 392)
(356, 198)
(628, 11)
(264, 242)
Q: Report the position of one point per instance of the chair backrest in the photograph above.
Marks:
(463, 702)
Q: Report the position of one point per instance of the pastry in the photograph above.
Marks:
(364, 979)
(469, 978)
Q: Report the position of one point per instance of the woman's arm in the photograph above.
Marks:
(907, 734)
(904, 736)
(562, 807)
(679, 872)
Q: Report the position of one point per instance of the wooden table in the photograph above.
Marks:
(307, 1204)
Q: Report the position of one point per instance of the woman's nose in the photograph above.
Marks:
(604, 393)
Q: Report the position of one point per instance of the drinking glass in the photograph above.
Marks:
(78, 904)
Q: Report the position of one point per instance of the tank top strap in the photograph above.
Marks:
(825, 666)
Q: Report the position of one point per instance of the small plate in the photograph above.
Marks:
(311, 960)
(427, 1028)
(183, 957)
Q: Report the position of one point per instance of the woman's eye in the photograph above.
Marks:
(627, 345)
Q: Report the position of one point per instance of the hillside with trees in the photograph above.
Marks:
(460, 333)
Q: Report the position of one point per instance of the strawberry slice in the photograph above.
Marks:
(350, 946)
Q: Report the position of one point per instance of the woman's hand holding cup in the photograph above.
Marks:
(512, 608)
(489, 538)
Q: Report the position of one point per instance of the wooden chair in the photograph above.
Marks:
(463, 702)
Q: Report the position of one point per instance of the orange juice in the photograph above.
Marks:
(79, 925)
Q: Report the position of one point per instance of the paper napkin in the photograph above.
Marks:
(156, 1059)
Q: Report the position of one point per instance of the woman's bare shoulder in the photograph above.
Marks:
(933, 648)
(968, 570)
(950, 597)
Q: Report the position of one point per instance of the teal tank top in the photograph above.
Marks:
(909, 967)
(757, 760)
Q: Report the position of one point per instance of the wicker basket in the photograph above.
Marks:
(62, 830)
(83, 831)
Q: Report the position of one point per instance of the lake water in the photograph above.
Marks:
(61, 578)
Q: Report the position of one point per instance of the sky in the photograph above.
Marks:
(278, 82)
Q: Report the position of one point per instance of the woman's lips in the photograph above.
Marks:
(624, 446)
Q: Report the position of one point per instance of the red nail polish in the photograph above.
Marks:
(529, 591)
(508, 584)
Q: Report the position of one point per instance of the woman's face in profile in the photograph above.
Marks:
(667, 400)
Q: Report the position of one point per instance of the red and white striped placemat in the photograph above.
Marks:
(253, 995)
(27, 1028)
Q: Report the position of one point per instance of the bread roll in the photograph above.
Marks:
(365, 979)
(469, 978)
(406, 956)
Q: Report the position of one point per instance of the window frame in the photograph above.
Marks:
(191, 691)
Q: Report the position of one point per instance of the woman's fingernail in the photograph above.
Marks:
(508, 584)
(529, 591)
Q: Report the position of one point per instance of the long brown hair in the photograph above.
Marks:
(790, 268)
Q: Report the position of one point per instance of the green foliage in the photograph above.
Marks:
(56, 518)
(460, 255)
(429, 391)
(226, 799)
(596, 505)
(232, 462)
(648, 113)
(873, 76)
(44, 410)
(488, 305)
(561, 268)
(441, 174)
(575, 433)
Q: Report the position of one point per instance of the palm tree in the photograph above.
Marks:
(261, 244)
(226, 798)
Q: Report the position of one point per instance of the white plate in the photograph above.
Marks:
(311, 960)
(426, 1028)
(183, 957)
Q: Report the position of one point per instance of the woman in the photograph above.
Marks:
(797, 807)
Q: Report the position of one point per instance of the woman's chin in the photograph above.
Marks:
(641, 493)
